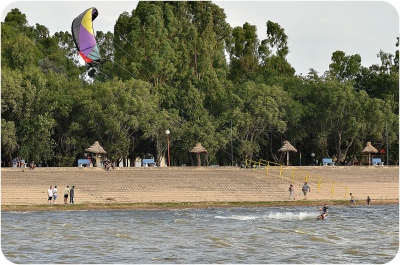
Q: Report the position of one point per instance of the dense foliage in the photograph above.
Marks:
(180, 66)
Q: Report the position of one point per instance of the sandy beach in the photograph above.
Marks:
(200, 185)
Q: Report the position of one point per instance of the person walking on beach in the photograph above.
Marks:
(66, 193)
(291, 192)
(72, 194)
(32, 165)
(50, 194)
(352, 198)
(305, 190)
(55, 194)
(368, 200)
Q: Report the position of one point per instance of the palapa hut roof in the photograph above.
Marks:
(96, 148)
(369, 148)
(198, 149)
(287, 147)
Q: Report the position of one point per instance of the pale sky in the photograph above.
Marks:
(315, 29)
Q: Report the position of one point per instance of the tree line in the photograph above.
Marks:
(180, 66)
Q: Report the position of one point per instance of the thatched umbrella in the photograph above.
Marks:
(287, 147)
(368, 150)
(96, 149)
(198, 149)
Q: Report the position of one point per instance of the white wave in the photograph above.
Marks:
(238, 217)
(292, 216)
(276, 216)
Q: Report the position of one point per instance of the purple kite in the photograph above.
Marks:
(83, 35)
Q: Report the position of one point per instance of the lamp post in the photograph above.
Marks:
(167, 132)
(133, 153)
(313, 159)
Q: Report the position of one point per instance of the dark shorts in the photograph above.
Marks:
(65, 195)
(50, 197)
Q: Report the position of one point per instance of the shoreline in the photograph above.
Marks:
(201, 187)
(185, 205)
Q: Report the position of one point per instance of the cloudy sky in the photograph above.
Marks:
(315, 29)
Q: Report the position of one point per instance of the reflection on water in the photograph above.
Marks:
(359, 234)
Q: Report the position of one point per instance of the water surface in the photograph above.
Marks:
(359, 234)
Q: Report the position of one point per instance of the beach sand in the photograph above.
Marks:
(199, 185)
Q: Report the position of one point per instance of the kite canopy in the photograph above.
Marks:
(83, 35)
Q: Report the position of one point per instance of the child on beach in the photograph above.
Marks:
(55, 195)
(66, 193)
(352, 198)
(291, 192)
(50, 194)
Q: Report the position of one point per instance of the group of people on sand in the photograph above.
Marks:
(68, 192)
(19, 162)
(306, 189)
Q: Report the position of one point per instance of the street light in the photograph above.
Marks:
(313, 159)
(167, 132)
(133, 153)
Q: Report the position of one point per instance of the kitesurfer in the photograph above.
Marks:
(324, 212)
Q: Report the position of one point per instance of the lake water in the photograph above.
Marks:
(289, 235)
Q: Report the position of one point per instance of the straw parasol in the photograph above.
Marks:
(287, 147)
(368, 150)
(198, 149)
(96, 149)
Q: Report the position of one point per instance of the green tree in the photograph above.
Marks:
(273, 52)
(244, 60)
(258, 110)
(8, 140)
(344, 68)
